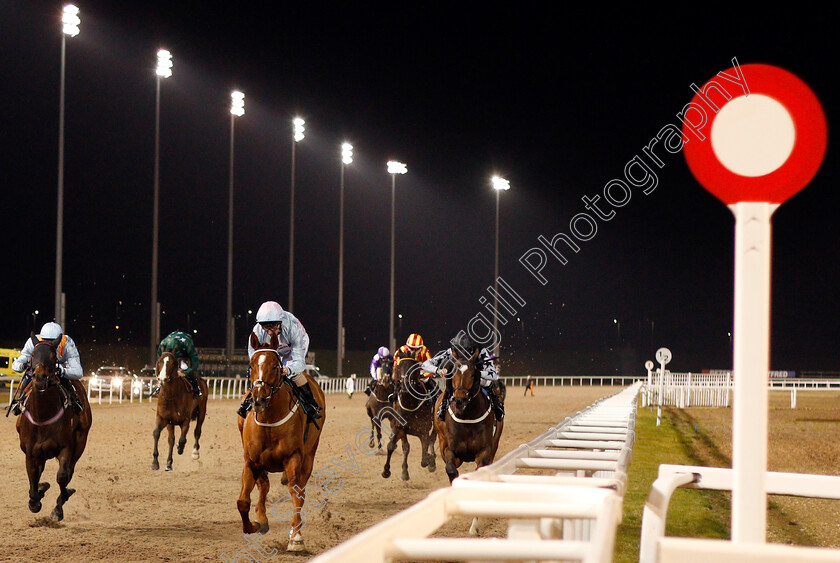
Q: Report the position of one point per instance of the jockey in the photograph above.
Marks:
(272, 320)
(69, 366)
(376, 366)
(180, 344)
(444, 362)
(413, 348)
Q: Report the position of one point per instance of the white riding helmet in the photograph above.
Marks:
(51, 331)
(270, 312)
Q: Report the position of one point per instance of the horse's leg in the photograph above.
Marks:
(156, 436)
(243, 503)
(392, 445)
(197, 432)
(452, 463)
(406, 447)
(34, 468)
(432, 438)
(182, 441)
(66, 466)
(297, 489)
(171, 430)
(263, 486)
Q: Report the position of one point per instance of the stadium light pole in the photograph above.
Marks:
(237, 109)
(499, 185)
(164, 70)
(70, 27)
(298, 137)
(394, 168)
(346, 158)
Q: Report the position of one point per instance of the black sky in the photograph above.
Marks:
(555, 100)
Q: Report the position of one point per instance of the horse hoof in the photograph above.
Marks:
(432, 468)
(180, 450)
(263, 527)
(296, 544)
(35, 506)
(155, 465)
(404, 477)
(474, 531)
(57, 514)
(423, 462)
(195, 454)
(386, 473)
(168, 468)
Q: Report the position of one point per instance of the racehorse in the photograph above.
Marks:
(276, 437)
(378, 401)
(469, 431)
(177, 406)
(414, 411)
(48, 430)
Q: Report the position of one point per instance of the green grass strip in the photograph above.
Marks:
(691, 513)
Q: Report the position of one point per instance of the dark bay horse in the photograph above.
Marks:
(414, 411)
(276, 437)
(177, 406)
(467, 431)
(379, 400)
(47, 430)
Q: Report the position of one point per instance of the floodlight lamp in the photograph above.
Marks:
(237, 103)
(70, 20)
(299, 129)
(164, 67)
(395, 167)
(500, 183)
(346, 153)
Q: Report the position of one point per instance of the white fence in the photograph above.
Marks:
(656, 548)
(570, 512)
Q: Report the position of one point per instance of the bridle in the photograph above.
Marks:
(52, 376)
(272, 389)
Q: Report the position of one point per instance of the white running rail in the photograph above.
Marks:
(562, 494)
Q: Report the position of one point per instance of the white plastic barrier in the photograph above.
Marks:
(655, 548)
(568, 513)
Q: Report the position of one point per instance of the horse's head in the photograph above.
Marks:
(387, 366)
(266, 377)
(166, 368)
(465, 378)
(43, 364)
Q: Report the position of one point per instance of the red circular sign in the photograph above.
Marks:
(808, 148)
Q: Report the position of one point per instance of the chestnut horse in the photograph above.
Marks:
(276, 437)
(177, 406)
(467, 431)
(380, 398)
(414, 407)
(47, 430)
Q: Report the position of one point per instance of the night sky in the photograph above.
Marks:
(555, 100)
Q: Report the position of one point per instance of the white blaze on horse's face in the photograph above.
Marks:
(260, 363)
(162, 372)
(463, 368)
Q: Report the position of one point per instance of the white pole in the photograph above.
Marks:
(751, 362)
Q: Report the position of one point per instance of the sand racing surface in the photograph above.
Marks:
(124, 511)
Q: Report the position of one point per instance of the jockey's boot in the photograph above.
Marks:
(71, 398)
(444, 404)
(245, 406)
(369, 388)
(17, 402)
(496, 402)
(310, 407)
(196, 390)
